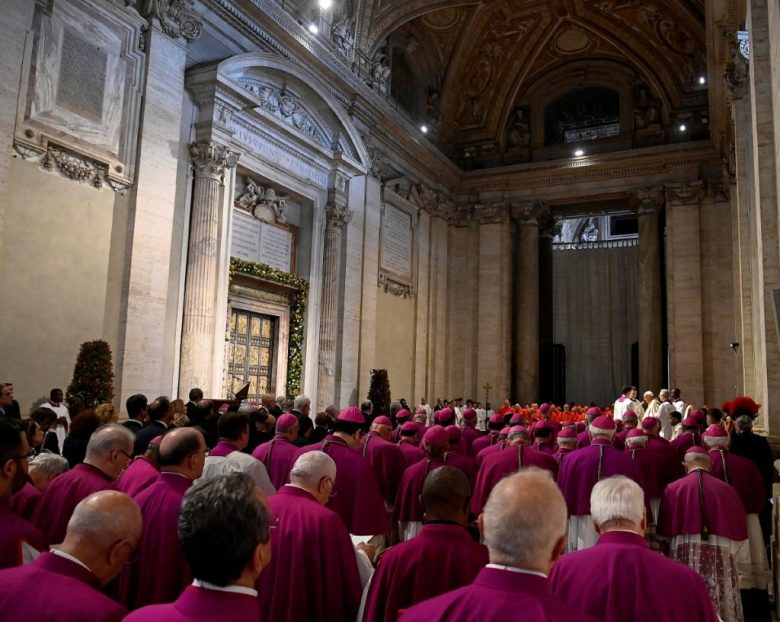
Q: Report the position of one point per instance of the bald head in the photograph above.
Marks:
(524, 521)
(445, 495)
(183, 450)
(108, 438)
(104, 532)
(383, 430)
(697, 461)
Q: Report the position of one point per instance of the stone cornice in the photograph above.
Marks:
(364, 103)
(626, 164)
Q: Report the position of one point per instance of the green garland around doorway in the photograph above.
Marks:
(297, 309)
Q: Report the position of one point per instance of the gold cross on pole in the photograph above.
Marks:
(487, 388)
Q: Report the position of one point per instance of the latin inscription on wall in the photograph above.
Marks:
(397, 241)
(260, 242)
(82, 79)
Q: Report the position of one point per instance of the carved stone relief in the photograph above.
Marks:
(287, 106)
(256, 196)
(175, 21)
(83, 90)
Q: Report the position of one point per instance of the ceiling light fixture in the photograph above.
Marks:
(325, 4)
(683, 127)
(702, 80)
(313, 29)
(579, 153)
(424, 129)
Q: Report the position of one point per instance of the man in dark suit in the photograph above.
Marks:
(196, 395)
(160, 417)
(136, 406)
(745, 443)
(8, 405)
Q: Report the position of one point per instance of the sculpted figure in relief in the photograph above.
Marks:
(519, 134)
(646, 109)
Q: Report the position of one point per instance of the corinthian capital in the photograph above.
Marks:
(648, 200)
(685, 193)
(336, 216)
(210, 159)
(527, 212)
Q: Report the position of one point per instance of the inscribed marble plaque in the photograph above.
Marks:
(275, 247)
(245, 243)
(397, 241)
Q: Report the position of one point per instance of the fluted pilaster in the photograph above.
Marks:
(210, 161)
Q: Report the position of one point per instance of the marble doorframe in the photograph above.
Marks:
(258, 296)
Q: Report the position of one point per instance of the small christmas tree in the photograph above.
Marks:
(93, 377)
(379, 393)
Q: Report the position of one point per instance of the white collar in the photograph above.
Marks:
(70, 557)
(536, 573)
(236, 589)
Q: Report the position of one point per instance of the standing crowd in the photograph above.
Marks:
(235, 511)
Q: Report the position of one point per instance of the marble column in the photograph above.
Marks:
(764, 27)
(684, 289)
(526, 349)
(494, 311)
(337, 217)
(649, 203)
(548, 229)
(743, 226)
(210, 160)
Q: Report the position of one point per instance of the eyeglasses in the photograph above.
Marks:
(125, 454)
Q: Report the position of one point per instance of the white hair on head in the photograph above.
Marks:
(301, 402)
(617, 498)
(717, 442)
(698, 460)
(49, 463)
(649, 394)
(602, 432)
(108, 438)
(311, 467)
(663, 393)
(566, 442)
(518, 434)
(636, 440)
(524, 517)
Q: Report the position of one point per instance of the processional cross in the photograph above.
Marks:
(487, 388)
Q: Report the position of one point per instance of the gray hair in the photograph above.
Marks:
(663, 393)
(108, 438)
(523, 434)
(566, 441)
(222, 521)
(311, 467)
(301, 402)
(648, 394)
(601, 432)
(367, 405)
(636, 440)
(617, 498)
(698, 460)
(524, 517)
(717, 442)
(744, 422)
(49, 463)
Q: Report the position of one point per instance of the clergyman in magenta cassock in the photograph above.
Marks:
(313, 574)
(63, 495)
(358, 501)
(279, 453)
(442, 557)
(706, 524)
